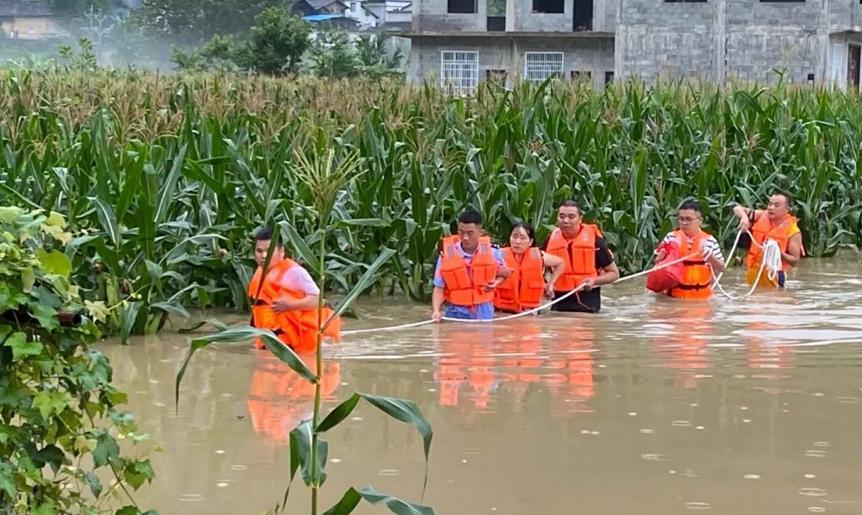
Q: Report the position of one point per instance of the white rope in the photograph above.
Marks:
(770, 261)
(516, 315)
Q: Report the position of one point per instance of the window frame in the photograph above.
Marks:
(527, 70)
(454, 66)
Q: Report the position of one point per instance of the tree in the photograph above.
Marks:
(278, 40)
(193, 21)
(375, 59)
(333, 56)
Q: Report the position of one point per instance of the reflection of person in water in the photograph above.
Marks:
(762, 355)
(685, 347)
(466, 362)
(571, 366)
(279, 399)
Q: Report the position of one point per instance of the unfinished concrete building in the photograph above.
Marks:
(462, 42)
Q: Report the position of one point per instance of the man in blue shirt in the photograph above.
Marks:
(471, 248)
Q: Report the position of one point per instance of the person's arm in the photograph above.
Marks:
(437, 299)
(557, 266)
(794, 250)
(438, 296)
(746, 216)
(607, 275)
(711, 251)
(607, 269)
(297, 279)
(503, 273)
(288, 304)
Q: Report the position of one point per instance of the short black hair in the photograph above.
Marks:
(470, 216)
(691, 204)
(265, 234)
(572, 203)
(531, 233)
(786, 196)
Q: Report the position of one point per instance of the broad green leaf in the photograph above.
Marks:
(46, 315)
(298, 245)
(337, 415)
(92, 481)
(46, 508)
(395, 505)
(28, 279)
(245, 334)
(128, 317)
(303, 437)
(367, 279)
(54, 262)
(108, 219)
(173, 309)
(167, 190)
(50, 403)
(138, 472)
(21, 347)
(351, 499)
(6, 484)
(106, 450)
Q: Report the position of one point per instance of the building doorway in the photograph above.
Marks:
(853, 61)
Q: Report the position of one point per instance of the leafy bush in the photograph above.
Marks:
(60, 425)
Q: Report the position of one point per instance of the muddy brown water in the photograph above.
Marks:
(653, 406)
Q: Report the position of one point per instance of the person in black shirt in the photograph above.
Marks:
(577, 242)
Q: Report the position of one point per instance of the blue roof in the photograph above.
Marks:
(321, 17)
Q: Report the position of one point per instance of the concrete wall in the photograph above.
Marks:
(579, 54)
(528, 21)
(432, 16)
(666, 39)
(33, 28)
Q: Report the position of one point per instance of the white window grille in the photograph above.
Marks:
(459, 71)
(538, 66)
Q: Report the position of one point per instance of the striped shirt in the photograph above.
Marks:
(709, 244)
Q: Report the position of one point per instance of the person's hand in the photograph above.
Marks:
(491, 286)
(660, 255)
(744, 223)
(588, 284)
(282, 305)
(436, 315)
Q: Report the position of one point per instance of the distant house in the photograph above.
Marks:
(311, 7)
(29, 19)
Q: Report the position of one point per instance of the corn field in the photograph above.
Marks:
(165, 178)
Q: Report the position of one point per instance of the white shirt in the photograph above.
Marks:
(709, 244)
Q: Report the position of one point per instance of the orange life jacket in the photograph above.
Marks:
(464, 285)
(763, 230)
(579, 256)
(696, 274)
(526, 286)
(296, 329)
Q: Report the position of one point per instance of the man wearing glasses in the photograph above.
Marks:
(705, 258)
(588, 261)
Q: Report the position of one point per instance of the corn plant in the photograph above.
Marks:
(326, 175)
(169, 175)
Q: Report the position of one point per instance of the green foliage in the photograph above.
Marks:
(326, 175)
(274, 46)
(332, 55)
(60, 420)
(214, 156)
(194, 21)
(84, 60)
(278, 40)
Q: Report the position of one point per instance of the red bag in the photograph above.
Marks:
(669, 277)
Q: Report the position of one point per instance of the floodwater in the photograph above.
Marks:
(654, 406)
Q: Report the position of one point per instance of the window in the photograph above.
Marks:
(539, 66)
(695, 1)
(548, 6)
(459, 71)
(811, 79)
(461, 6)
(582, 76)
(609, 77)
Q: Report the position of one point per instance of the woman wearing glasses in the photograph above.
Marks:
(690, 240)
